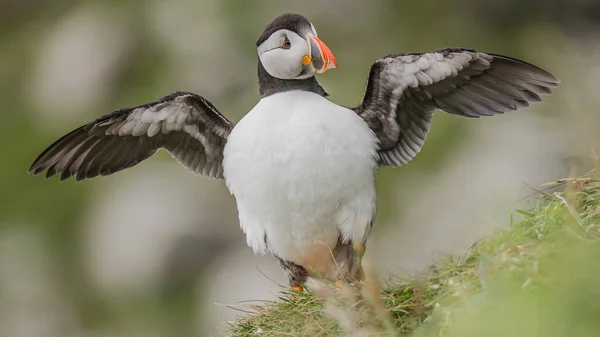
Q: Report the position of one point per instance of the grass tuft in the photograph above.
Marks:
(538, 277)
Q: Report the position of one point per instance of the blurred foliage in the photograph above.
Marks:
(54, 210)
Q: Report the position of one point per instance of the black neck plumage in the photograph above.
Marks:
(269, 85)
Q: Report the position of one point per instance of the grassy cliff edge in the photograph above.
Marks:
(538, 277)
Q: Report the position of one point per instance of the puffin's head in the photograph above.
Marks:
(290, 49)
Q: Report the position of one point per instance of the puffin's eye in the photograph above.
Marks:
(286, 44)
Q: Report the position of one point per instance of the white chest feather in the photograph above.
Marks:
(302, 171)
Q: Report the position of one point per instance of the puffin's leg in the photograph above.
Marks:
(296, 275)
(348, 258)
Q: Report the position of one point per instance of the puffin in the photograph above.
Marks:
(302, 168)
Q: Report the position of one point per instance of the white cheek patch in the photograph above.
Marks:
(283, 63)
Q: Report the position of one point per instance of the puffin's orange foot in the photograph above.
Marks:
(298, 287)
(339, 283)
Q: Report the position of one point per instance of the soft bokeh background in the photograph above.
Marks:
(157, 251)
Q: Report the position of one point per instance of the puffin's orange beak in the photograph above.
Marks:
(320, 55)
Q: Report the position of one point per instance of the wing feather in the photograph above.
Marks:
(404, 90)
(186, 125)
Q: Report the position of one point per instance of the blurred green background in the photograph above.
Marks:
(149, 251)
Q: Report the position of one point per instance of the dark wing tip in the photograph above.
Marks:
(538, 73)
(39, 165)
(34, 169)
(47, 160)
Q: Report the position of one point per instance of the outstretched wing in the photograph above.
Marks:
(186, 125)
(404, 90)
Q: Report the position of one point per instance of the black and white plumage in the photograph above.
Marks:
(404, 90)
(185, 124)
(302, 168)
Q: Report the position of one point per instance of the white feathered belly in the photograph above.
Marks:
(302, 171)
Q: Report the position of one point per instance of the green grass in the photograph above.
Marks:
(538, 277)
